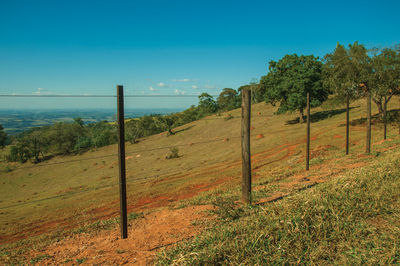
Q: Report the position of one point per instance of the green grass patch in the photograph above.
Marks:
(39, 258)
(350, 220)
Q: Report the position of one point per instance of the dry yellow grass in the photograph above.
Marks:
(84, 191)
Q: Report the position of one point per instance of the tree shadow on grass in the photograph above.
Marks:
(183, 129)
(318, 116)
(392, 116)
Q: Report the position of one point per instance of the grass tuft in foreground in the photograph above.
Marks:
(350, 220)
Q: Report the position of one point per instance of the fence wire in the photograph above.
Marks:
(128, 181)
(101, 96)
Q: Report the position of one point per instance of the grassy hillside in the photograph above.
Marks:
(350, 220)
(47, 200)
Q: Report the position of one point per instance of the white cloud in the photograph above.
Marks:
(162, 84)
(152, 89)
(209, 86)
(179, 92)
(195, 87)
(38, 92)
(181, 80)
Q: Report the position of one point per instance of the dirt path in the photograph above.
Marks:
(146, 236)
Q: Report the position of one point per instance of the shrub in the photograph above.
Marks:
(174, 153)
(228, 117)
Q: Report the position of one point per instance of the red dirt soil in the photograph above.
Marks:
(146, 237)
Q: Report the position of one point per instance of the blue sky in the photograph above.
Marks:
(169, 47)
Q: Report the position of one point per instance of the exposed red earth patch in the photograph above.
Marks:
(146, 236)
(260, 136)
(381, 142)
(389, 148)
(319, 150)
(112, 210)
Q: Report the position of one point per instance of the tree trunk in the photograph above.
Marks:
(302, 116)
(379, 105)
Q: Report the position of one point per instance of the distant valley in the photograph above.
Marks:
(16, 121)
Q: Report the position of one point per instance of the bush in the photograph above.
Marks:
(228, 117)
(174, 153)
(18, 153)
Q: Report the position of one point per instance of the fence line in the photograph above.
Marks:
(115, 154)
(128, 181)
(128, 153)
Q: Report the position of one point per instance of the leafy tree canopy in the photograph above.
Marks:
(385, 77)
(289, 80)
(340, 74)
(207, 104)
(228, 99)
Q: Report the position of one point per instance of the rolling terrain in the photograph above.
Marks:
(72, 201)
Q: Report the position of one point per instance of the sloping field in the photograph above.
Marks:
(41, 205)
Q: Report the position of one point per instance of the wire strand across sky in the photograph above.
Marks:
(171, 47)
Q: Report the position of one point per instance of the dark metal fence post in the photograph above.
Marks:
(368, 144)
(245, 134)
(347, 122)
(308, 133)
(121, 161)
(384, 118)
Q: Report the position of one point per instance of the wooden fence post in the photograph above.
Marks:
(308, 133)
(384, 118)
(121, 162)
(245, 136)
(347, 122)
(368, 144)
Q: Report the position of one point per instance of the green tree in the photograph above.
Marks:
(257, 90)
(361, 67)
(189, 115)
(228, 99)
(133, 131)
(103, 134)
(18, 153)
(79, 121)
(37, 144)
(3, 137)
(385, 77)
(207, 104)
(289, 80)
(342, 73)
